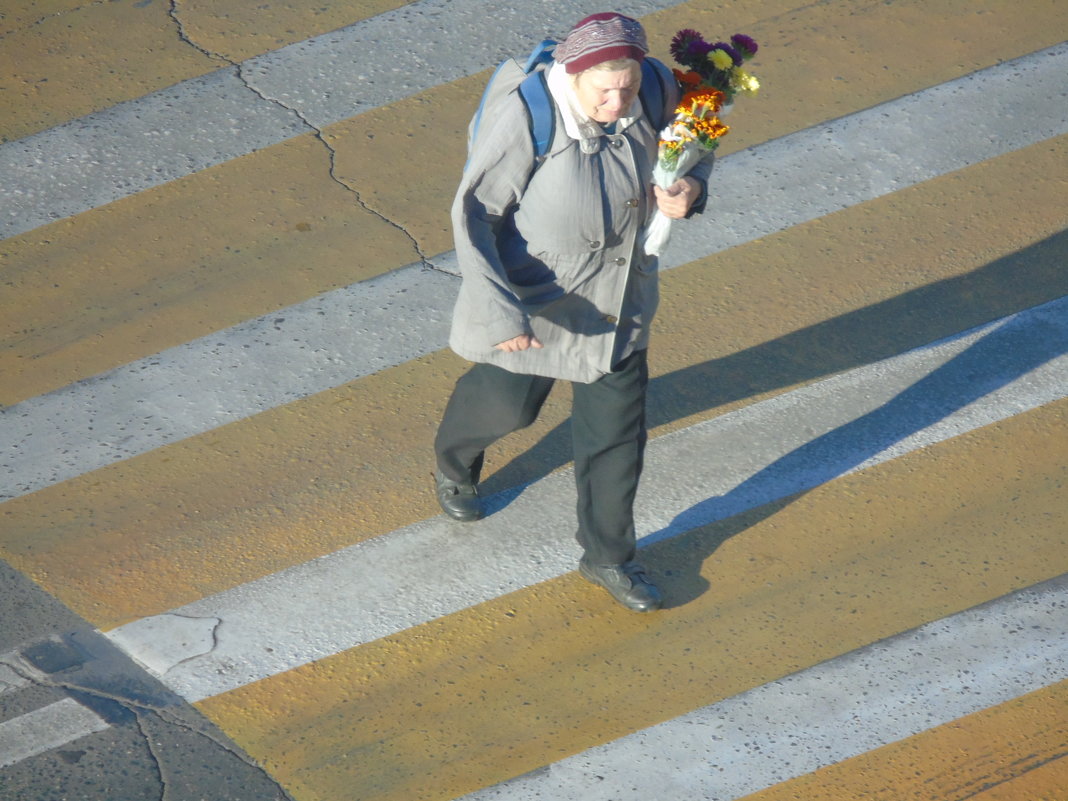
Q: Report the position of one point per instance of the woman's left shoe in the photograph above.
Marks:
(458, 500)
(627, 583)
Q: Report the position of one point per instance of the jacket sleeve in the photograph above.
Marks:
(701, 171)
(493, 183)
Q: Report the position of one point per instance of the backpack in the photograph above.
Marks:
(530, 81)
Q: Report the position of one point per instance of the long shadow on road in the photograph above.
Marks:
(1024, 279)
(998, 358)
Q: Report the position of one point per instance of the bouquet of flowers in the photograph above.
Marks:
(718, 65)
(714, 77)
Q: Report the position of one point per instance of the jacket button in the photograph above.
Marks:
(594, 245)
(611, 318)
(617, 142)
(621, 261)
(633, 202)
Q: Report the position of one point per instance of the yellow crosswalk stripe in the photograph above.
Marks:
(508, 686)
(351, 463)
(271, 229)
(1014, 751)
(165, 266)
(87, 58)
(866, 282)
(62, 60)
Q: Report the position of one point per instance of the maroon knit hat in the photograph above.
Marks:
(599, 38)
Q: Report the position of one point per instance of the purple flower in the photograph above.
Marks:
(686, 44)
(746, 45)
(736, 57)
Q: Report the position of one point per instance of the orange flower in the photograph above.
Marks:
(689, 78)
(711, 128)
(701, 103)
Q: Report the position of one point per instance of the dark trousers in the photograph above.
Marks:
(608, 439)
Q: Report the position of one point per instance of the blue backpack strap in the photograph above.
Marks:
(653, 92)
(541, 54)
(535, 93)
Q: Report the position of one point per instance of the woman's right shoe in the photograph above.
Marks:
(627, 583)
(457, 499)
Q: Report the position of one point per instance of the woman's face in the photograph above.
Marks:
(606, 96)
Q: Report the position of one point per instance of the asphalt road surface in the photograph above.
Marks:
(226, 276)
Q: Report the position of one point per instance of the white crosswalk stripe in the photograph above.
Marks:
(46, 728)
(762, 453)
(755, 455)
(826, 713)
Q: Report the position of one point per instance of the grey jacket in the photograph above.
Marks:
(555, 251)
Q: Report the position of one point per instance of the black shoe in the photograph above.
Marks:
(458, 500)
(626, 582)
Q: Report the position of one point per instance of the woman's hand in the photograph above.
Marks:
(675, 201)
(521, 342)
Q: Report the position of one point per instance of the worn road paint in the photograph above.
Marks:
(49, 727)
(759, 455)
(415, 324)
(849, 707)
(513, 684)
(297, 482)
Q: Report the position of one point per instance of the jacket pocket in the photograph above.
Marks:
(573, 278)
(534, 283)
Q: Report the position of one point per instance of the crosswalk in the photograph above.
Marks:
(227, 288)
(825, 714)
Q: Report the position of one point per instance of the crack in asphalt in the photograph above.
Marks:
(214, 638)
(429, 265)
(155, 756)
(31, 675)
(175, 14)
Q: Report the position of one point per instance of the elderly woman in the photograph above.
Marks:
(556, 285)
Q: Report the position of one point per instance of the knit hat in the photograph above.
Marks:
(599, 38)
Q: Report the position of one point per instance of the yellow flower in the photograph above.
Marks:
(721, 59)
(742, 81)
(710, 128)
